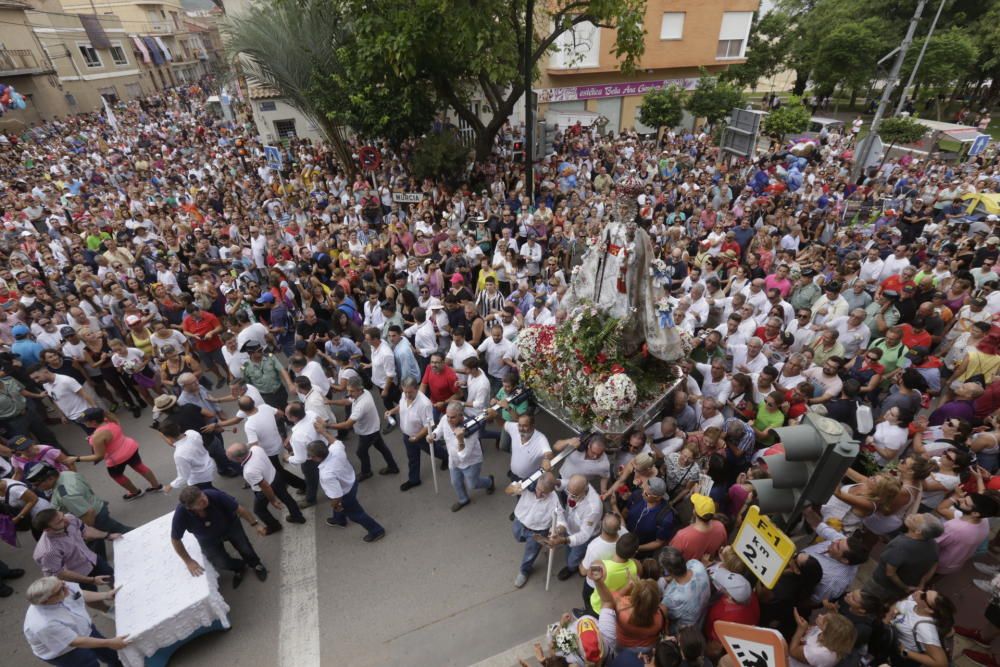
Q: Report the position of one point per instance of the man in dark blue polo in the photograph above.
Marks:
(213, 517)
(650, 517)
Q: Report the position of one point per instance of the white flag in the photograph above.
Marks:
(110, 114)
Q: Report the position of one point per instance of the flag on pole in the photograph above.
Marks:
(110, 114)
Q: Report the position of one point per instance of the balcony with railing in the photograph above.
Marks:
(14, 62)
(160, 28)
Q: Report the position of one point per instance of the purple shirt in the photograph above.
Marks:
(959, 543)
(963, 410)
(65, 550)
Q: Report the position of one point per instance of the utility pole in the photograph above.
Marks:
(529, 116)
(920, 59)
(864, 152)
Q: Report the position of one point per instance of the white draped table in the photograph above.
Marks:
(160, 603)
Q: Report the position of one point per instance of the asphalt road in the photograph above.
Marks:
(437, 590)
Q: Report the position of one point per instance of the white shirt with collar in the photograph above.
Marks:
(261, 428)
(536, 513)
(316, 403)
(365, 414)
(424, 338)
(456, 357)
(478, 394)
(577, 463)
(50, 628)
(719, 390)
(336, 474)
(302, 434)
(194, 465)
(470, 455)
(257, 468)
(317, 376)
(383, 365)
(583, 519)
(526, 457)
(415, 415)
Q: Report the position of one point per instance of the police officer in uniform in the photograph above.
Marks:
(267, 375)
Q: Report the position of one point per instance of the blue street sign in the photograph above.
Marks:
(979, 145)
(273, 156)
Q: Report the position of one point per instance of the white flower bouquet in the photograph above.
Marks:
(615, 396)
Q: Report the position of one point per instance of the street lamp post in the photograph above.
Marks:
(920, 59)
(864, 151)
(529, 115)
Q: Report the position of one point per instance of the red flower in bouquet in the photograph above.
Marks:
(587, 370)
(601, 358)
(617, 368)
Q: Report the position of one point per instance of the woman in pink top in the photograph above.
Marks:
(117, 451)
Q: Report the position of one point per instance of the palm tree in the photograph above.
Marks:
(287, 46)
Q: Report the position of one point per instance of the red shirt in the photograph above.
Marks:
(912, 339)
(208, 322)
(695, 543)
(727, 610)
(441, 386)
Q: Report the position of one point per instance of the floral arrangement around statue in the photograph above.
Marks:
(580, 368)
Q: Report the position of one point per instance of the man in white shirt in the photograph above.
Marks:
(528, 447)
(748, 358)
(581, 523)
(260, 424)
(465, 455)
(267, 485)
(894, 264)
(533, 517)
(854, 333)
(194, 465)
(383, 369)
(424, 335)
(312, 399)
(364, 419)
(254, 331)
(336, 475)
(600, 548)
(715, 384)
(459, 351)
(416, 418)
(303, 432)
(499, 357)
(588, 459)
(57, 623)
(871, 268)
(477, 396)
(66, 393)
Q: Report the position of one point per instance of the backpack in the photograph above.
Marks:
(351, 313)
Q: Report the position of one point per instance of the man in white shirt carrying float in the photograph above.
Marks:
(340, 484)
(268, 486)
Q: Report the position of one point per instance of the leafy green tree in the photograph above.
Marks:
(767, 50)
(455, 49)
(900, 130)
(847, 56)
(440, 155)
(662, 107)
(791, 116)
(951, 56)
(713, 99)
(261, 38)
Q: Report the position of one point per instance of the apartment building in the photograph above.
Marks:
(582, 74)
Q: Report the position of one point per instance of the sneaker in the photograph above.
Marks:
(986, 568)
(330, 521)
(984, 585)
(374, 537)
(407, 485)
(155, 489)
(261, 572)
(458, 506)
(492, 487)
(971, 633)
(520, 580)
(132, 496)
(295, 519)
(981, 658)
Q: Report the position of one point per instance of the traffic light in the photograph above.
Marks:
(519, 150)
(818, 452)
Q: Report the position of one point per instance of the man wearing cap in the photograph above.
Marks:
(882, 313)
(536, 512)
(202, 329)
(649, 516)
(266, 374)
(705, 535)
(736, 604)
(27, 350)
(806, 291)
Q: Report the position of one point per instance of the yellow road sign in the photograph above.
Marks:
(763, 547)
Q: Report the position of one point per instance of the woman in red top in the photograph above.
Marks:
(117, 450)
(640, 619)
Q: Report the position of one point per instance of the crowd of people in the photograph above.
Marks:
(165, 267)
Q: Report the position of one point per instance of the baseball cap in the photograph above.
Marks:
(132, 319)
(457, 278)
(251, 346)
(265, 297)
(343, 355)
(657, 487)
(734, 585)
(703, 505)
(67, 331)
(20, 330)
(21, 443)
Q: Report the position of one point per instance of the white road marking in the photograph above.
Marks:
(298, 634)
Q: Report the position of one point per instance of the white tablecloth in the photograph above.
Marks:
(160, 603)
